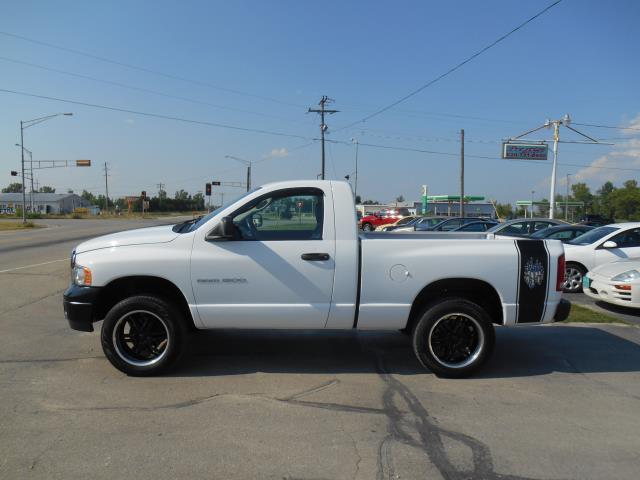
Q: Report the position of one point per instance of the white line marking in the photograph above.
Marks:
(34, 265)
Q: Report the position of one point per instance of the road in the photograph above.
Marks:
(555, 402)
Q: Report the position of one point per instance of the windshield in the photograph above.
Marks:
(202, 220)
(593, 236)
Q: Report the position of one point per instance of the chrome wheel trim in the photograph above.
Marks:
(119, 343)
(473, 356)
(573, 279)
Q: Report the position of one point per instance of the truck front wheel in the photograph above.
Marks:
(142, 335)
(453, 338)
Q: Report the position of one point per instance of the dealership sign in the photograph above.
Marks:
(521, 151)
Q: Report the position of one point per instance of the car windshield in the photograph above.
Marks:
(204, 219)
(593, 236)
(543, 233)
(495, 227)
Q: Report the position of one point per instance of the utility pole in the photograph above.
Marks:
(566, 122)
(462, 172)
(160, 191)
(566, 201)
(323, 127)
(106, 187)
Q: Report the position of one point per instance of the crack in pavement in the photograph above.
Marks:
(430, 436)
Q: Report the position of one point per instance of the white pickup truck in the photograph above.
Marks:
(288, 255)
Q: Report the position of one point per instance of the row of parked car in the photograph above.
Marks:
(603, 261)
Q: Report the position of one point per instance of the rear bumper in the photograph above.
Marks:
(562, 311)
(78, 303)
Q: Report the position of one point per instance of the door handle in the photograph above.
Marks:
(315, 257)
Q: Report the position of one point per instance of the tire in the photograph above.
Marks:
(440, 335)
(367, 227)
(143, 335)
(573, 275)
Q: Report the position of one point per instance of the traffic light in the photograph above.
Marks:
(14, 173)
(144, 194)
(83, 163)
(217, 184)
(207, 189)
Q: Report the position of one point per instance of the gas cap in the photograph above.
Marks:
(399, 273)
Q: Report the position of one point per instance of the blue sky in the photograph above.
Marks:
(260, 65)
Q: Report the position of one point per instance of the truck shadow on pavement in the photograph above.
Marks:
(519, 352)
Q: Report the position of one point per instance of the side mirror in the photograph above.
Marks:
(225, 230)
(609, 244)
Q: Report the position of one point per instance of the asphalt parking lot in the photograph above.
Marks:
(555, 402)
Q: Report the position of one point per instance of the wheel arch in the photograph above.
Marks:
(125, 287)
(472, 289)
(580, 264)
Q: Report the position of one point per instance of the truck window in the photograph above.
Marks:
(289, 215)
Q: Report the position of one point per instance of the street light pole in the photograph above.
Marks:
(24, 195)
(531, 211)
(566, 201)
(248, 164)
(23, 125)
(355, 187)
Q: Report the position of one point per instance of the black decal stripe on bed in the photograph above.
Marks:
(517, 281)
(533, 278)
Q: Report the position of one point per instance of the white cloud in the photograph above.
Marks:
(278, 153)
(130, 121)
(626, 154)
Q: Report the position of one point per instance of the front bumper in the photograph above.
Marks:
(78, 303)
(562, 310)
(603, 289)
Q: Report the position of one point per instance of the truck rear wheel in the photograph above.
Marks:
(142, 335)
(367, 227)
(453, 338)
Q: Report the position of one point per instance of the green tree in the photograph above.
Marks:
(182, 195)
(400, 198)
(626, 201)
(90, 197)
(47, 189)
(504, 210)
(581, 193)
(604, 202)
(358, 199)
(13, 188)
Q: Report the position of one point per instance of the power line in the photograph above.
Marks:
(456, 67)
(140, 89)
(606, 126)
(156, 115)
(146, 70)
(484, 157)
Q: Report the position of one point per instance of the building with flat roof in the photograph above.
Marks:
(55, 203)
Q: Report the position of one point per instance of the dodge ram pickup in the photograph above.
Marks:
(288, 255)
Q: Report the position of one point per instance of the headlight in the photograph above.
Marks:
(81, 276)
(627, 276)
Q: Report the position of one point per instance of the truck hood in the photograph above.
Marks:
(140, 236)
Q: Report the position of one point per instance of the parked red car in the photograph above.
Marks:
(383, 217)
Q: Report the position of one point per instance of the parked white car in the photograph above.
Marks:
(615, 282)
(602, 245)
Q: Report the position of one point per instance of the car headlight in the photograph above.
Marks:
(628, 276)
(81, 276)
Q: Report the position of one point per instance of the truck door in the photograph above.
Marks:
(278, 270)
